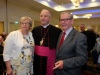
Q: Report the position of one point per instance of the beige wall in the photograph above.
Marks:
(17, 10)
(36, 23)
(13, 26)
(93, 22)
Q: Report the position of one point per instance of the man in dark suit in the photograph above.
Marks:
(91, 37)
(45, 37)
(72, 53)
(82, 28)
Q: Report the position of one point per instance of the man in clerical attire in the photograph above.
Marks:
(45, 37)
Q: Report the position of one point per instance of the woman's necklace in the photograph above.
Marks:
(41, 42)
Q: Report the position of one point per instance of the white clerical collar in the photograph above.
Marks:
(45, 26)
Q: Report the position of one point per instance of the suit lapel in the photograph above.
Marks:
(67, 40)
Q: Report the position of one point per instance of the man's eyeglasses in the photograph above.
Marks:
(27, 23)
(66, 19)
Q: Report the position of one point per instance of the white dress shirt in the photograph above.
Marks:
(67, 32)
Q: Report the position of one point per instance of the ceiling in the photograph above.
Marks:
(56, 6)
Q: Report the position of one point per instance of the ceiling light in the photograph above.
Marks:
(75, 16)
(88, 15)
(93, 0)
(76, 3)
(48, 0)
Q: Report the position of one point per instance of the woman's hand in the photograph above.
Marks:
(9, 71)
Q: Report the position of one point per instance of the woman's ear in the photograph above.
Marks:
(30, 28)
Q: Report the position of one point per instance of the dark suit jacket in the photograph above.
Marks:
(91, 40)
(73, 52)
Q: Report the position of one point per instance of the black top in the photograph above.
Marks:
(1, 49)
(91, 40)
(1, 59)
(50, 35)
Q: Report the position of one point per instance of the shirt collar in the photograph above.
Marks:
(68, 31)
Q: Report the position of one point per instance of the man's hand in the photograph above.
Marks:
(58, 65)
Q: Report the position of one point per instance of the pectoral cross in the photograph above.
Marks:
(41, 42)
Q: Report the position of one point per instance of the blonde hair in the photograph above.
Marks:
(26, 18)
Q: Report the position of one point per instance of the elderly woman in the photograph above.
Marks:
(18, 49)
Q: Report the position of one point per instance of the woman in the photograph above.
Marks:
(18, 49)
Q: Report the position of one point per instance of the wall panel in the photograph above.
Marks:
(1, 27)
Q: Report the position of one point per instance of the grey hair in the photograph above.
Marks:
(71, 16)
(82, 25)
